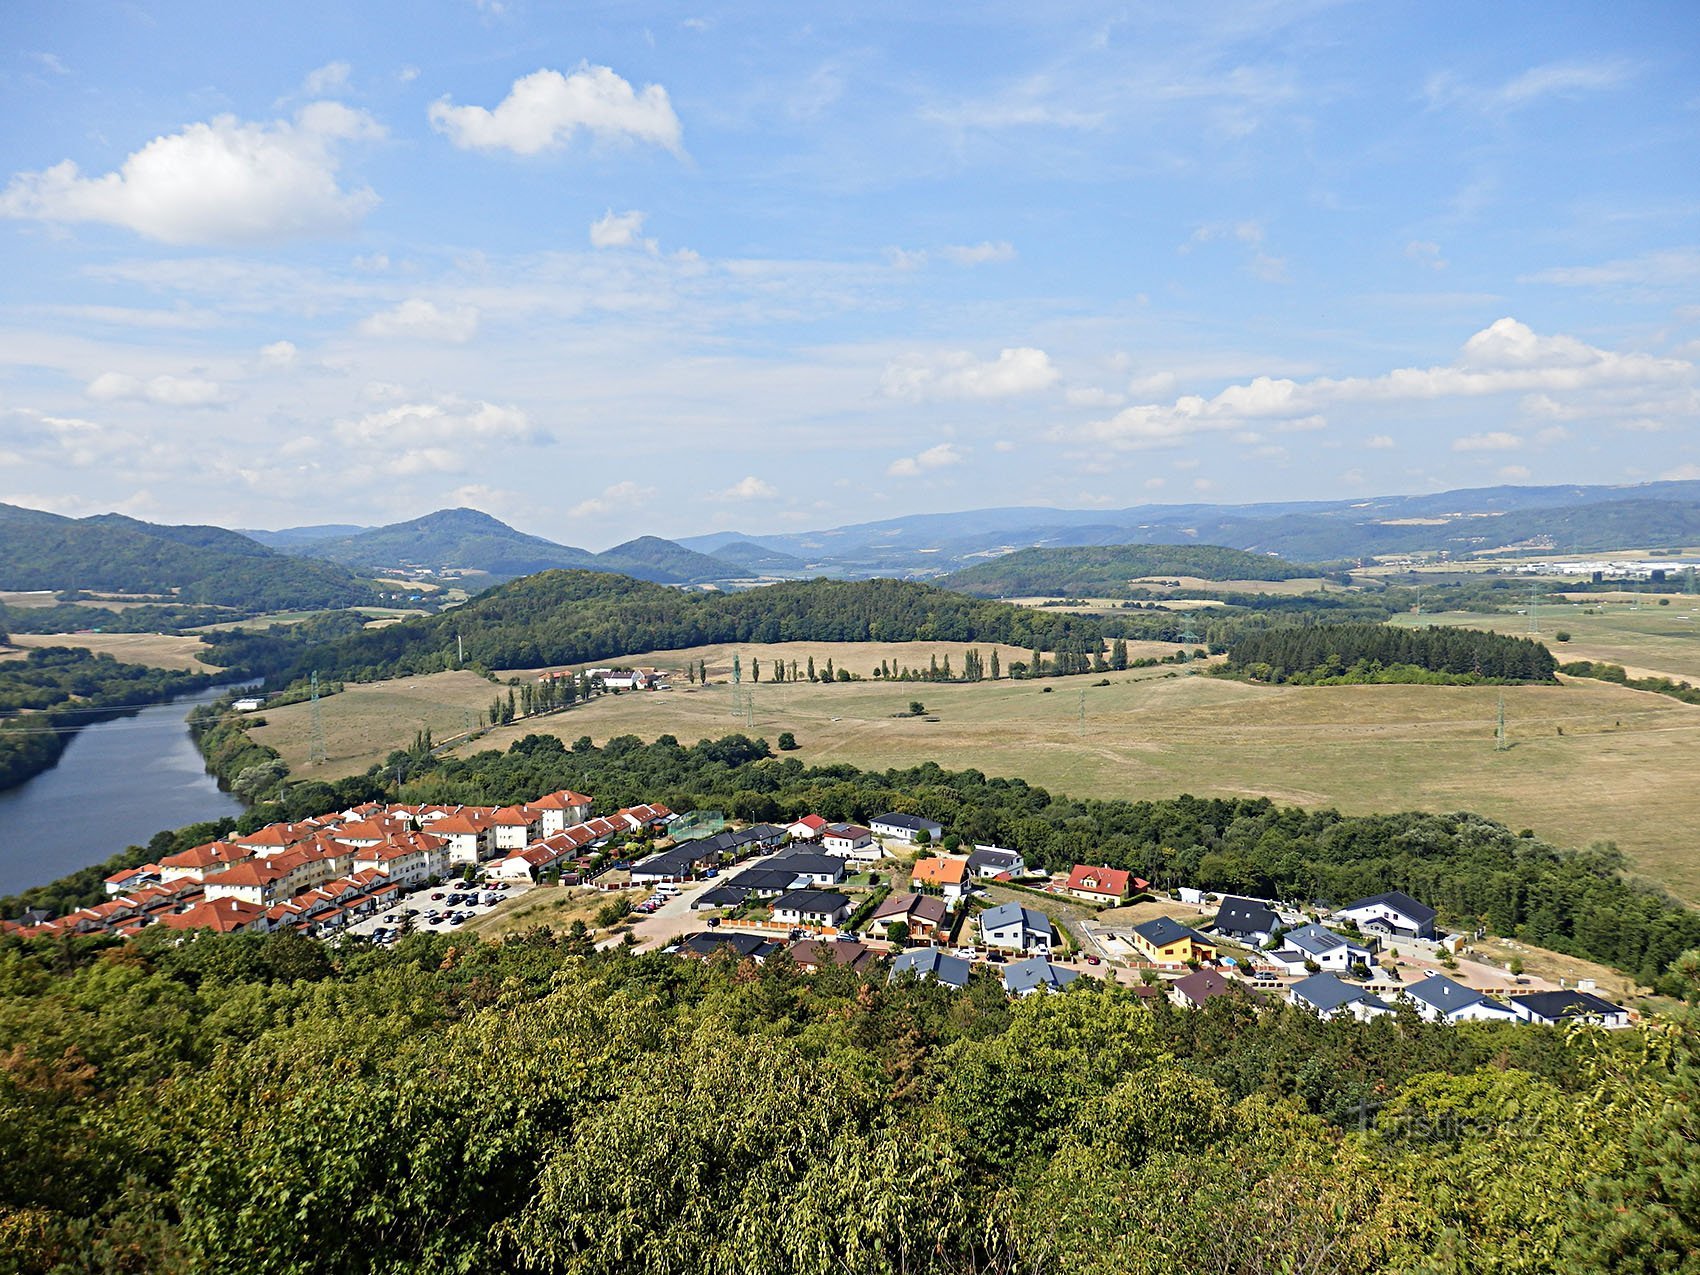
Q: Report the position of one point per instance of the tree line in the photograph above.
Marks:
(1336, 653)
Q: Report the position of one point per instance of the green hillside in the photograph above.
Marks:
(652, 558)
(752, 557)
(195, 564)
(568, 617)
(1104, 570)
(449, 538)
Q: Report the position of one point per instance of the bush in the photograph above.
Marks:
(1563, 635)
(787, 741)
(613, 912)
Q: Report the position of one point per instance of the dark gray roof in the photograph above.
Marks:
(1035, 972)
(1566, 1004)
(722, 896)
(1313, 939)
(812, 901)
(808, 861)
(1244, 916)
(1328, 993)
(991, 857)
(718, 941)
(1444, 994)
(928, 962)
(1400, 901)
(766, 880)
(1163, 930)
(915, 823)
(1009, 913)
(680, 861)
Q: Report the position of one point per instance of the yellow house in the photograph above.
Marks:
(1168, 942)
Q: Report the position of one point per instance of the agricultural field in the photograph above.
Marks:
(1652, 641)
(158, 650)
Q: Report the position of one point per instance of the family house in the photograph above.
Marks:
(989, 863)
(813, 954)
(1165, 941)
(1099, 885)
(1036, 974)
(1394, 914)
(1198, 987)
(1439, 999)
(1331, 997)
(906, 828)
(1313, 945)
(808, 828)
(851, 841)
(811, 907)
(1558, 1008)
(928, 962)
(1013, 928)
(1246, 921)
(922, 913)
(946, 873)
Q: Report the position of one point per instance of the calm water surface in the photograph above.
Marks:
(118, 783)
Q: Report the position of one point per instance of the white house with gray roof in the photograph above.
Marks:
(1444, 1000)
(1013, 928)
(1330, 997)
(1321, 947)
(1394, 914)
(929, 962)
(1036, 974)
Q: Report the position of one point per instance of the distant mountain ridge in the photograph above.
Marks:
(1107, 571)
(189, 564)
(470, 540)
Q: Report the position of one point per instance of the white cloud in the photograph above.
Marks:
(1682, 474)
(326, 80)
(1504, 358)
(165, 391)
(1670, 267)
(447, 435)
(958, 374)
(1092, 396)
(279, 354)
(978, 254)
(620, 498)
(620, 230)
(940, 457)
(1554, 79)
(750, 488)
(225, 181)
(545, 110)
(1515, 473)
(1260, 264)
(1380, 442)
(1425, 253)
(423, 320)
(1495, 441)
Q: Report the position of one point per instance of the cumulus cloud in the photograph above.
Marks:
(326, 80)
(443, 436)
(1515, 473)
(958, 374)
(165, 391)
(546, 110)
(423, 320)
(750, 488)
(940, 457)
(279, 354)
(224, 181)
(1505, 358)
(621, 497)
(1494, 441)
(620, 230)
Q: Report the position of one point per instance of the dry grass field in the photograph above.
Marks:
(1655, 641)
(555, 907)
(1622, 770)
(366, 722)
(159, 650)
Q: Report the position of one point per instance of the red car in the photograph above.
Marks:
(1092, 960)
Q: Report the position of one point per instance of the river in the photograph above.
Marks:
(119, 782)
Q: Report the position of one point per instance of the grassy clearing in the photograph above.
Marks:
(157, 650)
(364, 723)
(1655, 641)
(555, 907)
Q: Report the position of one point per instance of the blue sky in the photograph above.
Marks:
(607, 270)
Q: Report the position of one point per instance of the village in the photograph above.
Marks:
(901, 890)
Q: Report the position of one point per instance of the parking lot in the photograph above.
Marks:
(438, 909)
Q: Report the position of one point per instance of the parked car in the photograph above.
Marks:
(1092, 959)
(713, 921)
(437, 897)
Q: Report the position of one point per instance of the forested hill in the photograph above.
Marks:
(1376, 652)
(196, 564)
(569, 617)
(1108, 570)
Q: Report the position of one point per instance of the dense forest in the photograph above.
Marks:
(1106, 571)
(194, 565)
(569, 617)
(46, 696)
(1331, 654)
(270, 1105)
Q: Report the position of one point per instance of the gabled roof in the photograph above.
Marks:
(1161, 931)
(1012, 913)
(1200, 986)
(1110, 881)
(565, 799)
(814, 823)
(717, 941)
(1245, 916)
(1566, 1004)
(847, 831)
(1445, 994)
(939, 870)
(927, 962)
(806, 901)
(1326, 993)
(801, 861)
(914, 823)
(1313, 939)
(221, 915)
(816, 952)
(993, 857)
(926, 907)
(1399, 902)
(1037, 972)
